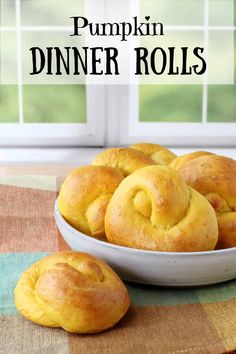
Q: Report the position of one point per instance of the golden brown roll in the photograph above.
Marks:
(154, 209)
(84, 196)
(72, 290)
(182, 160)
(158, 153)
(127, 160)
(215, 177)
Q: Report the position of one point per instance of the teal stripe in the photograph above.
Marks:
(13, 264)
(11, 267)
(220, 292)
(142, 295)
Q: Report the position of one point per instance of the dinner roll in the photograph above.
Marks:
(215, 177)
(158, 153)
(181, 160)
(127, 160)
(72, 290)
(84, 196)
(154, 209)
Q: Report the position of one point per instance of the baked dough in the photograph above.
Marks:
(72, 290)
(127, 160)
(84, 196)
(182, 160)
(158, 153)
(154, 209)
(215, 177)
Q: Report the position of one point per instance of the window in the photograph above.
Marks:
(185, 114)
(97, 115)
(45, 114)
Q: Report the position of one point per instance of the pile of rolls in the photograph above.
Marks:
(143, 197)
(146, 197)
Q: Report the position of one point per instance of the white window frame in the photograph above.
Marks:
(113, 117)
(91, 133)
(128, 129)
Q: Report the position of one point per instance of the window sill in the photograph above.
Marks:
(75, 156)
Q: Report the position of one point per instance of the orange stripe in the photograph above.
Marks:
(27, 220)
(62, 245)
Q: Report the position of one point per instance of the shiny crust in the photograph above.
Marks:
(72, 290)
(182, 160)
(84, 197)
(154, 209)
(215, 177)
(158, 153)
(127, 160)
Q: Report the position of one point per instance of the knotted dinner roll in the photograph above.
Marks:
(127, 160)
(215, 177)
(182, 160)
(84, 196)
(72, 290)
(154, 209)
(158, 153)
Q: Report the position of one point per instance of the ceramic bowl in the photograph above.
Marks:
(154, 267)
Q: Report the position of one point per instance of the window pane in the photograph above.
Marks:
(170, 103)
(222, 104)
(222, 101)
(54, 104)
(7, 13)
(172, 12)
(221, 13)
(8, 104)
(234, 12)
(50, 12)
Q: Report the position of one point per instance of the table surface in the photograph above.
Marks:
(79, 155)
(55, 170)
(161, 320)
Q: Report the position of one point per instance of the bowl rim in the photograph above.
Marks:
(85, 237)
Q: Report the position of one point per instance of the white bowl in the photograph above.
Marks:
(153, 267)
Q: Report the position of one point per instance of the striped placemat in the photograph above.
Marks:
(161, 320)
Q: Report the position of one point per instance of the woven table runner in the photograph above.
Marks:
(161, 320)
